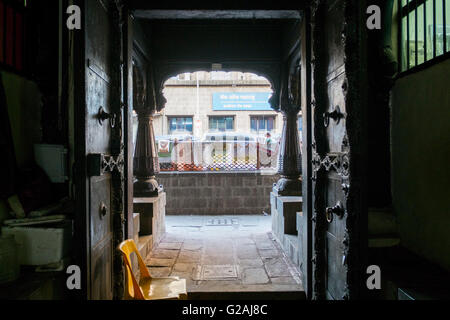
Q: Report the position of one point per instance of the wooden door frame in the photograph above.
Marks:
(81, 224)
(355, 244)
(127, 99)
(82, 221)
(306, 93)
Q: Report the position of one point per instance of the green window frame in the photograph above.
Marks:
(424, 31)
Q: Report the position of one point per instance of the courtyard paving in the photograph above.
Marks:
(224, 254)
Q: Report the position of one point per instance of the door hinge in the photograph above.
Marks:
(98, 164)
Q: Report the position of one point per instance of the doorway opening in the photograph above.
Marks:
(218, 142)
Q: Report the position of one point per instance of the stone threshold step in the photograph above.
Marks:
(250, 295)
(216, 286)
(145, 245)
(292, 240)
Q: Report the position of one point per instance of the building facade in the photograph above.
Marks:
(207, 102)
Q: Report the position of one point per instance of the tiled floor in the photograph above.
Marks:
(223, 254)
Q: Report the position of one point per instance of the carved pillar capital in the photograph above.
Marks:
(290, 161)
(146, 162)
(145, 113)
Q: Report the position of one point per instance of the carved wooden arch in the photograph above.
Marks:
(140, 82)
(270, 71)
(294, 79)
(139, 87)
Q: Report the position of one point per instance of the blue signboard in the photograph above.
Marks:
(241, 101)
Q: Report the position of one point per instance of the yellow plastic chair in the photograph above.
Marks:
(148, 288)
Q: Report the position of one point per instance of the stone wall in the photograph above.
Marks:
(217, 193)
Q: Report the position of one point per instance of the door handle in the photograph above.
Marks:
(336, 115)
(102, 116)
(337, 210)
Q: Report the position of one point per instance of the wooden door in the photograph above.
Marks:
(338, 162)
(99, 146)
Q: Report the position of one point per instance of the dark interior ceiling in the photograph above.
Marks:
(217, 14)
(219, 5)
(258, 41)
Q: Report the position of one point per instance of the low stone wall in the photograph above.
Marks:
(217, 193)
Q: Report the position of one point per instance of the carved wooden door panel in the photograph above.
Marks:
(336, 183)
(99, 144)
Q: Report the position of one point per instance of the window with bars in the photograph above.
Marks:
(13, 35)
(180, 125)
(424, 31)
(262, 123)
(221, 124)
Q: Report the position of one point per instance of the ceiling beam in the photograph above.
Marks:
(216, 14)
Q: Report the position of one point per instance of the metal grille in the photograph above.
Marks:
(220, 156)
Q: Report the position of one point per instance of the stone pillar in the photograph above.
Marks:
(290, 160)
(285, 199)
(146, 162)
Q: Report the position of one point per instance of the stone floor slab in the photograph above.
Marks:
(277, 268)
(189, 256)
(283, 280)
(192, 245)
(223, 285)
(159, 272)
(190, 282)
(173, 237)
(244, 241)
(248, 245)
(170, 245)
(247, 252)
(255, 276)
(216, 272)
(265, 245)
(251, 262)
(158, 262)
(217, 259)
(269, 253)
(164, 254)
(183, 267)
